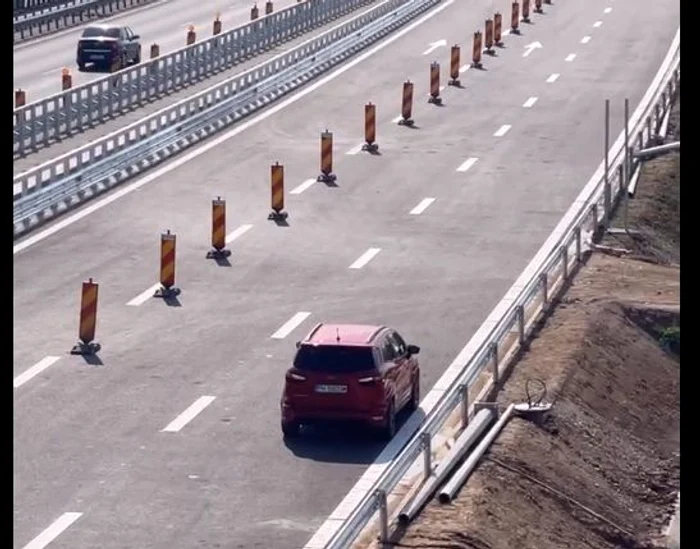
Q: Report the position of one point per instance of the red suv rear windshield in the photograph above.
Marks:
(334, 359)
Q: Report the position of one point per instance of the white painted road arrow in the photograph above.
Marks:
(434, 46)
(531, 47)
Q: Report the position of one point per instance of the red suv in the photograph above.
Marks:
(350, 372)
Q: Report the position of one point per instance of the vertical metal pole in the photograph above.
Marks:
(427, 458)
(649, 136)
(627, 142)
(383, 516)
(464, 404)
(606, 188)
(494, 360)
(521, 324)
(625, 197)
(577, 232)
(565, 260)
(545, 293)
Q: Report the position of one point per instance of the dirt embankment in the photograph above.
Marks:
(603, 470)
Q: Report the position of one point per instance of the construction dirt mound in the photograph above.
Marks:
(602, 470)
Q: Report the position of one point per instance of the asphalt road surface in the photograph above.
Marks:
(94, 463)
(38, 64)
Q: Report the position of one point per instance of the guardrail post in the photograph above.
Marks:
(383, 515)
(463, 391)
(427, 455)
(545, 289)
(657, 118)
(577, 234)
(594, 215)
(493, 346)
(20, 98)
(269, 7)
(520, 311)
(565, 259)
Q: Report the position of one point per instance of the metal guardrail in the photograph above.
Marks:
(44, 191)
(510, 332)
(37, 124)
(53, 16)
(28, 6)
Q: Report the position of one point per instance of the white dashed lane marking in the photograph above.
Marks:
(530, 102)
(553, 78)
(289, 326)
(468, 163)
(500, 132)
(52, 532)
(35, 370)
(585, 40)
(570, 57)
(365, 258)
(189, 414)
(422, 206)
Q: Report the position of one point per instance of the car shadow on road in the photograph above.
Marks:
(345, 443)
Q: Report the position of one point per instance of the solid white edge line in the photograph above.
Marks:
(56, 528)
(500, 132)
(35, 370)
(386, 457)
(215, 142)
(189, 414)
(553, 78)
(530, 102)
(302, 186)
(422, 206)
(365, 258)
(289, 326)
(468, 163)
(237, 233)
(143, 296)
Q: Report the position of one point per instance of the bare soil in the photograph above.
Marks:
(602, 470)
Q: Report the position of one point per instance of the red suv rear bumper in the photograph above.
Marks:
(293, 412)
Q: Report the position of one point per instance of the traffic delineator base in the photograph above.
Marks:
(88, 320)
(218, 230)
(407, 105)
(326, 176)
(277, 193)
(167, 267)
(370, 144)
(435, 98)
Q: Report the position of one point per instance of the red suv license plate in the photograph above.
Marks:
(334, 389)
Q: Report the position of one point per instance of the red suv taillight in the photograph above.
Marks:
(294, 376)
(370, 380)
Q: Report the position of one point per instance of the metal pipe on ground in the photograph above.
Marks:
(474, 430)
(644, 154)
(450, 489)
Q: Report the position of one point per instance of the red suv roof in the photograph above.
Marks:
(342, 334)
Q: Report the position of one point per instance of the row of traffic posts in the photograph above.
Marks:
(167, 289)
(491, 37)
